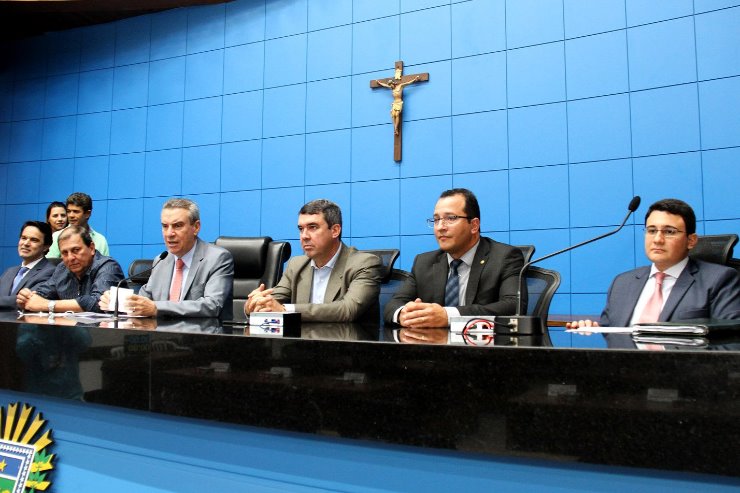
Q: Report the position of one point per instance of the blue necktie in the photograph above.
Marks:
(452, 288)
(18, 279)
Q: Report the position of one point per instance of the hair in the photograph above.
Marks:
(678, 208)
(472, 209)
(54, 204)
(189, 205)
(41, 226)
(76, 230)
(82, 200)
(331, 211)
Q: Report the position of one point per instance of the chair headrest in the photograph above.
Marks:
(714, 248)
(250, 254)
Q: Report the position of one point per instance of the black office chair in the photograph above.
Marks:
(138, 271)
(388, 257)
(55, 260)
(527, 251)
(389, 288)
(257, 260)
(714, 248)
(541, 287)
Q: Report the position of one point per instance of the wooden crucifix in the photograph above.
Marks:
(396, 85)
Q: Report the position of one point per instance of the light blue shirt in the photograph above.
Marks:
(320, 281)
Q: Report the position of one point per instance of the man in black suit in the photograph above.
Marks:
(34, 242)
(487, 271)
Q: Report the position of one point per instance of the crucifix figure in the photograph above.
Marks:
(396, 85)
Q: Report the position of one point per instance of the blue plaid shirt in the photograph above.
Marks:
(103, 273)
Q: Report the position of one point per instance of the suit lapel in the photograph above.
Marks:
(683, 283)
(334, 286)
(304, 282)
(162, 291)
(440, 271)
(198, 257)
(633, 295)
(8, 279)
(476, 270)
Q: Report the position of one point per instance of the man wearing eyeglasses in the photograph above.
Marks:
(674, 287)
(468, 275)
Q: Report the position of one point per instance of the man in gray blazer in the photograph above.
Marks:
(331, 282)
(33, 243)
(487, 271)
(195, 279)
(688, 288)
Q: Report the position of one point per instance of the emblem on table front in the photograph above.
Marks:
(25, 463)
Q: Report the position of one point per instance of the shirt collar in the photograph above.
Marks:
(332, 261)
(467, 257)
(188, 257)
(31, 265)
(674, 271)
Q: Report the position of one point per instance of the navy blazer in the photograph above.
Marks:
(492, 286)
(703, 290)
(40, 273)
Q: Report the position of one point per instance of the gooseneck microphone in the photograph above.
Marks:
(118, 286)
(525, 323)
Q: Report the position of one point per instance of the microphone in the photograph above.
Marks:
(118, 286)
(526, 324)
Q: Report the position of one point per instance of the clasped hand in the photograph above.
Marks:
(261, 300)
(419, 314)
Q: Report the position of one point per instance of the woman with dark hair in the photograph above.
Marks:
(56, 216)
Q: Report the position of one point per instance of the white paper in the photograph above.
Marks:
(123, 295)
(602, 330)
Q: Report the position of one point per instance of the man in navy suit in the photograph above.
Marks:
(689, 288)
(487, 272)
(34, 242)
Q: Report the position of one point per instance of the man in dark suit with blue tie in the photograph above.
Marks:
(468, 275)
(674, 287)
(34, 242)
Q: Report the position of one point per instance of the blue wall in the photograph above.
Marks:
(555, 112)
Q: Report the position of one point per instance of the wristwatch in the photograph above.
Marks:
(52, 305)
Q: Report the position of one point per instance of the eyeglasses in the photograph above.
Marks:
(667, 232)
(445, 221)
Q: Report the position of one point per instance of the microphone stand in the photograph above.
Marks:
(528, 325)
(116, 316)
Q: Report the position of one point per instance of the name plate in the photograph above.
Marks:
(472, 330)
(275, 324)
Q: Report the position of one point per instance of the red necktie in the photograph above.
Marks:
(651, 312)
(177, 284)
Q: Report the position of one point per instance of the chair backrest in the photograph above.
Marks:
(257, 260)
(388, 289)
(527, 251)
(278, 252)
(138, 271)
(388, 257)
(250, 260)
(54, 260)
(714, 248)
(541, 286)
(139, 266)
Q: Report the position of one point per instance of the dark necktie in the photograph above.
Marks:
(452, 288)
(18, 279)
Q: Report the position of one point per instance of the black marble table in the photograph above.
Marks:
(675, 407)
